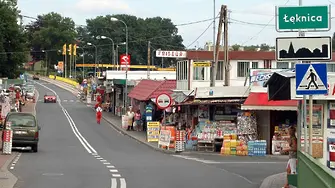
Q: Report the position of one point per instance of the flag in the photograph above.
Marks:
(70, 49)
(74, 49)
(64, 49)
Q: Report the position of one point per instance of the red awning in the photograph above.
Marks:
(148, 89)
(259, 101)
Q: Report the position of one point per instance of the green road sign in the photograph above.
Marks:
(304, 18)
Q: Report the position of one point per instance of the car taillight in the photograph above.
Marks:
(36, 135)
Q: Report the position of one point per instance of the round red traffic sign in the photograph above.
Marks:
(163, 101)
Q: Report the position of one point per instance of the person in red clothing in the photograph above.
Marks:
(17, 94)
(99, 113)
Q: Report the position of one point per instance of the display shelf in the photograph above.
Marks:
(206, 147)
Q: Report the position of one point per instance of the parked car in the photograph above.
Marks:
(30, 93)
(50, 97)
(25, 129)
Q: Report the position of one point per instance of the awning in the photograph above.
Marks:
(212, 102)
(259, 101)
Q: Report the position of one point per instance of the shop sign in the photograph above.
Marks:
(171, 54)
(164, 138)
(201, 64)
(259, 76)
(153, 131)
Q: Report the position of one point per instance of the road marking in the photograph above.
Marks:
(64, 100)
(16, 159)
(71, 100)
(226, 162)
(106, 163)
(83, 141)
(123, 183)
(103, 160)
(110, 166)
(113, 183)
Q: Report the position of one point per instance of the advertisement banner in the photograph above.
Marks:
(164, 138)
(60, 66)
(153, 131)
(259, 76)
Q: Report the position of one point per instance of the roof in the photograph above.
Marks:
(148, 89)
(259, 101)
(235, 55)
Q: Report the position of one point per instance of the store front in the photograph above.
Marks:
(273, 119)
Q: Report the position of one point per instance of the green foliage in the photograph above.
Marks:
(161, 32)
(49, 33)
(12, 40)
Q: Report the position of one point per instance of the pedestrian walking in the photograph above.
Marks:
(130, 114)
(99, 113)
(292, 153)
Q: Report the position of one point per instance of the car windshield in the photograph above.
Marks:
(21, 120)
(49, 94)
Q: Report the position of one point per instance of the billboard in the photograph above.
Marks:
(259, 76)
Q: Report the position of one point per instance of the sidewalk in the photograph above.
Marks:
(7, 179)
(275, 181)
(139, 136)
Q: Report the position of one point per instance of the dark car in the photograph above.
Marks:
(50, 97)
(35, 77)
(25, 129)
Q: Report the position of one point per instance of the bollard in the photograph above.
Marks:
(7, 139)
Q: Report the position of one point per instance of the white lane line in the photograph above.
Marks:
(123, 183)
(94, 154)
(64, 100)
(116, 175)
(113, 183)
(11, 168)
(107, 164)
(113, 170)
(16, 159)
(99, 158)
(103, 160)
(74, 128)
(110, 166)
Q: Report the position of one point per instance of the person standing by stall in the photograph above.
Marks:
(130, 114)
(99, 113)
(292, 154)
(138, 120)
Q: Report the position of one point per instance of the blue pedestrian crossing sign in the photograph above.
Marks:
(311, 79)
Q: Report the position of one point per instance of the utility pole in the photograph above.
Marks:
(226, 48)
(148, 66)
(217, 47)
(212, 83)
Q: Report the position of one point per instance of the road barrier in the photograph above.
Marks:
(66, 80)
(7, 139)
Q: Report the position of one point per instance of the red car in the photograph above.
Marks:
(50, 97)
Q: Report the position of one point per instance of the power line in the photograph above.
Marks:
(265, 26)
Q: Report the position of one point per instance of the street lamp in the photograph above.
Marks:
(82, 55)
(113, 19)
(96, 57)
(104, 37)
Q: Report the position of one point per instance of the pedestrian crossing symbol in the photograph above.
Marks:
(311, 79)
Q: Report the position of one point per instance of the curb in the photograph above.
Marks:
(119, 128)
(11, 177)
(124, 132)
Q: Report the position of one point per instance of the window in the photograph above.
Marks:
(242, 69)
(220, 70)
(21, 120)
(292, 65)
(267, 64)
(282, 65)
(199, 73)
(330, 67)
(254, 65)
(182, 70)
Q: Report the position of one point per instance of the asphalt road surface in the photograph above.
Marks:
(76, 152)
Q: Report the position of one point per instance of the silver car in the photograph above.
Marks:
(30, 93)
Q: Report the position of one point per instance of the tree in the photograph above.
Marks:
(12, 40)
(49, 33)
(161, 32)
(264, 47)
(236, 47)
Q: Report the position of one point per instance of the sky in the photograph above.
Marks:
(252, 21)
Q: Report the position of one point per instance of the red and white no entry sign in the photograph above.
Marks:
(163, 101)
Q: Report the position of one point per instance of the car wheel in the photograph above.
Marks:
(34, 148)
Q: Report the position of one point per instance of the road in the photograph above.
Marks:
(76, 152)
